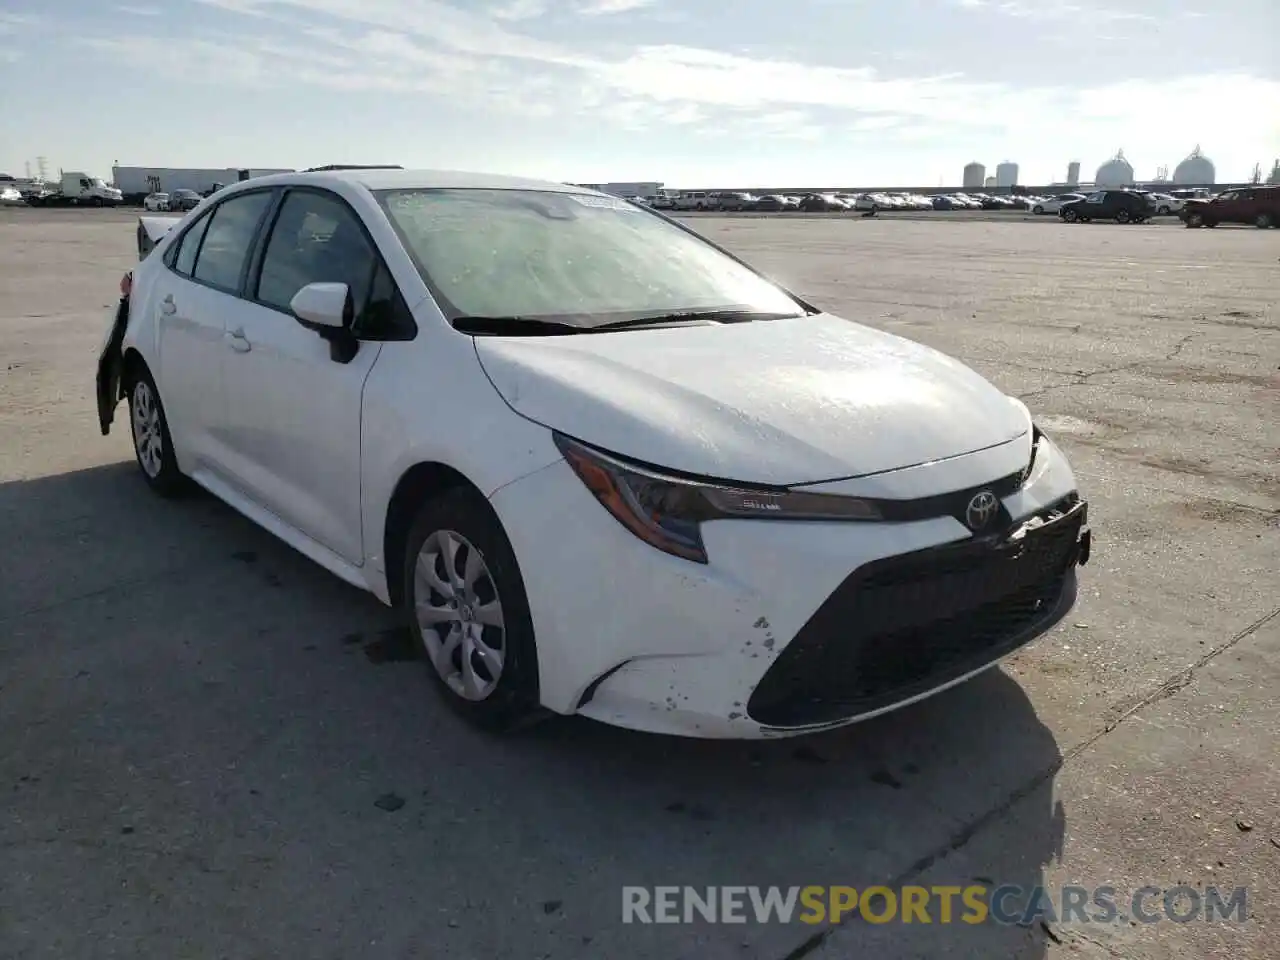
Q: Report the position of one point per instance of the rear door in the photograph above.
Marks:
(294, 407)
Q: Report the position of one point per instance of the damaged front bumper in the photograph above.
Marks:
(111, 367)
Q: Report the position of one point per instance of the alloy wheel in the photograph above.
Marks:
(148, 438)
(1263, 221)
(459, 614)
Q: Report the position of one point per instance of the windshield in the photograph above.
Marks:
(578, 259)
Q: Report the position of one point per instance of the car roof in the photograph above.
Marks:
(390, 179)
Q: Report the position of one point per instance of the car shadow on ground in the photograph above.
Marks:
(211, 743)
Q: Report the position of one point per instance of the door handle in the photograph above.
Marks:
(168, 307)
(239, 342)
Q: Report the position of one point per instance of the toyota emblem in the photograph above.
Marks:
(981, 511)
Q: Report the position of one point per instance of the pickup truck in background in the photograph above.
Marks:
(1258, 205)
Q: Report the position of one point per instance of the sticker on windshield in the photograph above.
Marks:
(602, 203)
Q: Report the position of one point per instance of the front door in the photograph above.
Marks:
(293, 411)
(189, 349)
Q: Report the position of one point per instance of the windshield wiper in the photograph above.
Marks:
(521, 326)
(693, 316)
(535, 327)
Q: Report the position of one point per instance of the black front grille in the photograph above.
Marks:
(899, 627)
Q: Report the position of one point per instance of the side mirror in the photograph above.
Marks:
(325, 305)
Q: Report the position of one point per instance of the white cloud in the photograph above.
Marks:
(478, 58)
(1057, 10)
(11, 23)
(139, 11)
(597, 8)
(520, 10)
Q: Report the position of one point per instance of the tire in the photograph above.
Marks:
(1263, 221)
(1070, 216)
(440, 606)
(1037, 210)
(152, 442)
(1211, 224)
(1194, 221)
(1123, 217)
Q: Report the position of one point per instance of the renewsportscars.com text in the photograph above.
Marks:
(972, 904)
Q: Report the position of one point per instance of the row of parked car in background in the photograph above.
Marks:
(1162, 205)
(1257, 205)
(179, 201)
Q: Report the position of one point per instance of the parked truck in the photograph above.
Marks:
(78, 189)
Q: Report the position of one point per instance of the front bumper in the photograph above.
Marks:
(793, 626)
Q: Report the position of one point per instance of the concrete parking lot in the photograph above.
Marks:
(209, 747)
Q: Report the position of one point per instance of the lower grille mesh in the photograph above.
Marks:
(901, 626)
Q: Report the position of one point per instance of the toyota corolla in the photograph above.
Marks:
(603, 466)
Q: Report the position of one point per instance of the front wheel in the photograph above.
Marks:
(1070, 216)
(1037, 210)
(1123, 217)
(466, 605)
(152, 442)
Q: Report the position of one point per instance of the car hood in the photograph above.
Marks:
(782, 402)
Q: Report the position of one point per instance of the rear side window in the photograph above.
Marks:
(189, 246)
(227, 240)
(316, 239)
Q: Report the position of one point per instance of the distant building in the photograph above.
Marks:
(1196, 169)
(646, 188)
(1116, 172)
(989, 182)
(1006, 174)
(975, 175)
(1275, 173)
(1073, 173)
(138, 181)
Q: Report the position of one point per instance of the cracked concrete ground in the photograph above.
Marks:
(197, 725)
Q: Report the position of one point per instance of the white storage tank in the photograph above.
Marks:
(1116, 172)
(1006, 174)
(1073, 173)
(975, 175)
(1196, 169)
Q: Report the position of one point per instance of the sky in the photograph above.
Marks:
(685, 92)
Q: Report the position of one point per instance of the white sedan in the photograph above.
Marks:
(603, 467)
(1166, 204)
(155, 202)
(1047, 205)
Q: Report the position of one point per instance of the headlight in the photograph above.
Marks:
(667, 512)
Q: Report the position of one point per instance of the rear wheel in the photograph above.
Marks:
(466, 605)
(1263, 221)
(1070, 216)
(1123, 217)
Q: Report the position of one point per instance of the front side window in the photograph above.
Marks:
(576, 259)
(316, 239)
(189, 246)
(225, 250)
